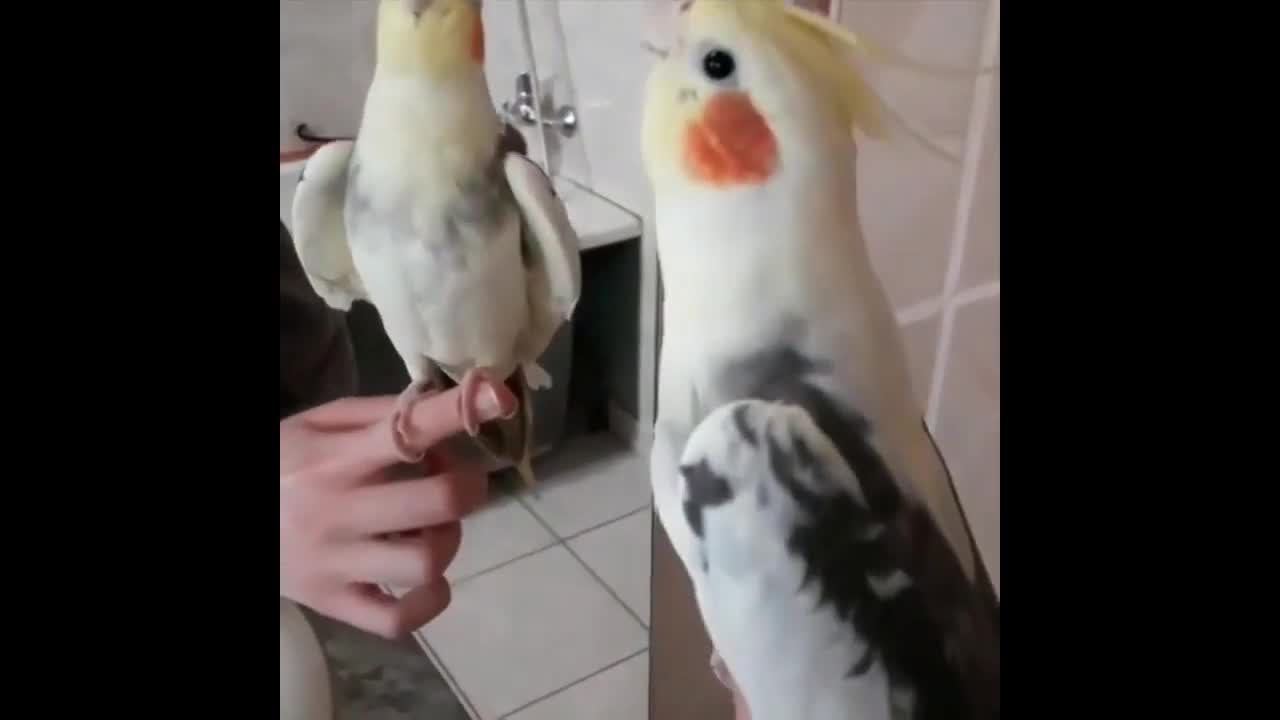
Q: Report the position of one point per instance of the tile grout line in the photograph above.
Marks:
(574, 683)
(922, 310)
(523, 556)
(558, 541)
(634, 615)
(976, 294)
(449, 679)
(926, 309)
(433, 657)
(444, 669)
(555, 541)
(976, 138)
(587, 567)
(611, 521)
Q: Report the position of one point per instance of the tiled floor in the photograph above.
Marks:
(550, 607)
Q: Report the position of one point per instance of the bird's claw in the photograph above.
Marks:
(400, 420)
(472, 381)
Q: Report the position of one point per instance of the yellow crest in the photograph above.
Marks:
(437, 37)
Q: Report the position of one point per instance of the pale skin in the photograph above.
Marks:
(353, 516)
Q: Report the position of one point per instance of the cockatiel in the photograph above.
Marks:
(463, 247)
(791, 467)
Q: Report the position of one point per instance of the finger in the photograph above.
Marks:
(441, 416)
(349, 413)
(423, 604)
(412, 504)
(370, 609)
(406, 561)
(431, 420)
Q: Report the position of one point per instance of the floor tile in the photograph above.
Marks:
(591, 480)
(501, 531)
(619, 553)
(524, 630)
(618, 693)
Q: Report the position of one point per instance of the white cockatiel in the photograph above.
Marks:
(791, 467)
(461, 245)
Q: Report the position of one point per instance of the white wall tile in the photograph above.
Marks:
(326, 62)
(327, 53)
(609, 67)
(906, 194)
(620, 553)
(982, 250)
(528, 629)
(619, 693)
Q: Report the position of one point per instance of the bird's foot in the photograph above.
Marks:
(535, 377)
(469, 406)
(400, 419)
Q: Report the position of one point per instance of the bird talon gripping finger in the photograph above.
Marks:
(472, 382)
(400, 419)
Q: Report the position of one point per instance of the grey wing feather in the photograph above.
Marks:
(770, 494)
(554, 242)
(319, 228)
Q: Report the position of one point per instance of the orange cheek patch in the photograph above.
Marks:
(477, 40)
(731, 144)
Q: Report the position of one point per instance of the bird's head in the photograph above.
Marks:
(437, 38)
(741, 86)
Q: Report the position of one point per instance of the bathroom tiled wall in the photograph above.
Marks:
(603, 47)
(933, 230)
(326, 61)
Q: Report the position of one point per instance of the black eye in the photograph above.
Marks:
(718, 64)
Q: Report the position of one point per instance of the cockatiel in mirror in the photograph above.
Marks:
(462, 245)
(792, 468)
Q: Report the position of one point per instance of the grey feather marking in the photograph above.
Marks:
(748, 433)
(477, 207)
(706, 489)
(938, 637)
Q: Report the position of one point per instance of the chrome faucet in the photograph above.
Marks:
(523, 109)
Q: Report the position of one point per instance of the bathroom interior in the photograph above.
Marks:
(568, 602)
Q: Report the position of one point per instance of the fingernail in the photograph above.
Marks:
(489, 404)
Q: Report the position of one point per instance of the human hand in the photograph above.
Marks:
(350, 521)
